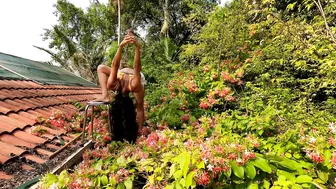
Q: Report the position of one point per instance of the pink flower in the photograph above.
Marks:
(204, 105)
(316, 157)
(232, 156)
(185, 118)
(216, 170)
(229, 98)
(203, 178)
(206, 68)
(211, 100)
(152, 140)
(248, 155)
(225, 92)
(213, 76)
(240, 161)
(331, 141)
(333, 160)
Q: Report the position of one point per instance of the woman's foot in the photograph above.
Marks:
(102, 99)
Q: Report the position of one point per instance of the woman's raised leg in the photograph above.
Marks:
(103, 72)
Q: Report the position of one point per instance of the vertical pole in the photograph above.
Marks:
(84, 122)
(92, 116)
(109, 120)
(119, 23)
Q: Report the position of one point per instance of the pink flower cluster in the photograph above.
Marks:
(333, 159)
(316, 157)
(191, 86)
(203, 178)
(120, 175)
(204, 105)
(155, 140)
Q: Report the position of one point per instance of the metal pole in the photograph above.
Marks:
(84, 122)
(109, 120)
(92, 122)
(119, 23)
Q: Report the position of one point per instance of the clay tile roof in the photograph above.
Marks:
(21, 102)
(25, 96)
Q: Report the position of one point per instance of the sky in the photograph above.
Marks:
(22, 23)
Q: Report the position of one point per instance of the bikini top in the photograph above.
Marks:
(123, 83)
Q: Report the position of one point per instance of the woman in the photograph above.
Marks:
(126, 80)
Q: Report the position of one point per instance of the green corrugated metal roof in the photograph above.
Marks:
(6, 74)
(41, 72)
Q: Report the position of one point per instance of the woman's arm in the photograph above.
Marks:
(116, 62)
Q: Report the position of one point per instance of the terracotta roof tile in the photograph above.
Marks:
(53, 131)
(4, 176)
(14, 123)
(44, 152)
(28, 137)
(26, 167)
(10, 150)
(10, 139)
(6, 83)
(23, 105)
(3, 109)
(7, 124)
(34, 158)
(4, 158)
(14, 105)
(49, 145)
(4, 93)
(48, 136)
(66, 138)
(28, 116)
(31, 102)
(22, 119)
(34, 113)
(43, 112)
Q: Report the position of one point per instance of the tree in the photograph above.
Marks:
(80, 40)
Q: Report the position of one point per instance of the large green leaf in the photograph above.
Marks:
(253, 186)
(323, 176)
(104, 180)
(250, 170)
(237, 170)
(172, 169)
(189, 179)
(287, 175)
(262, 164)
(303, 179)
(128, 183)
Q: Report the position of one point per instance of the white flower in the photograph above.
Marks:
(53, 186)
(332, 127)
(210, 167)
(205, 160)
(312, 140)
(239, 160)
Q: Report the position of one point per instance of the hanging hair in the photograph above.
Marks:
(123, 119)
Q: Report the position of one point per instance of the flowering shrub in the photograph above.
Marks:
(208, 153)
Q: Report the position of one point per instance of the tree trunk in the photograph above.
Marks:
(166, 21)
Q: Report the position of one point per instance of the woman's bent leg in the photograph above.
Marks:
(103, 74)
